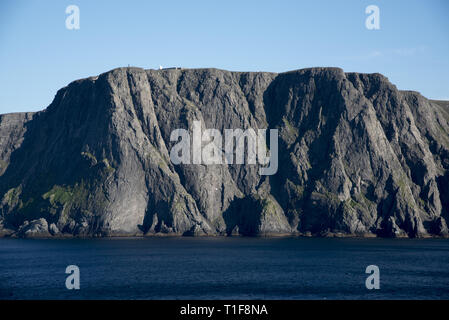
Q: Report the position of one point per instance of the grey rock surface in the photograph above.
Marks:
(53, 229)
(35, 228)
(357, 156)
(12, 129)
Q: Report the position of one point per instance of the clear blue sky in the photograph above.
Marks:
(38, 55)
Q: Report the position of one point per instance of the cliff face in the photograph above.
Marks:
(356, 156)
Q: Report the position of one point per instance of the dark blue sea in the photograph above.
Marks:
(224, 268)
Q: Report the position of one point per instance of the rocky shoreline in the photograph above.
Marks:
(37, 230)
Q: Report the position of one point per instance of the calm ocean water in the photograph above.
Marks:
(224, 268)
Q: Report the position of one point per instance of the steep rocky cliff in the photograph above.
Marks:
(356, 156)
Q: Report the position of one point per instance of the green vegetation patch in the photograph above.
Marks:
(59, 195)
(12, 196)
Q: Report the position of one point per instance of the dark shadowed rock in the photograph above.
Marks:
(4, 231)
(356, 157)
